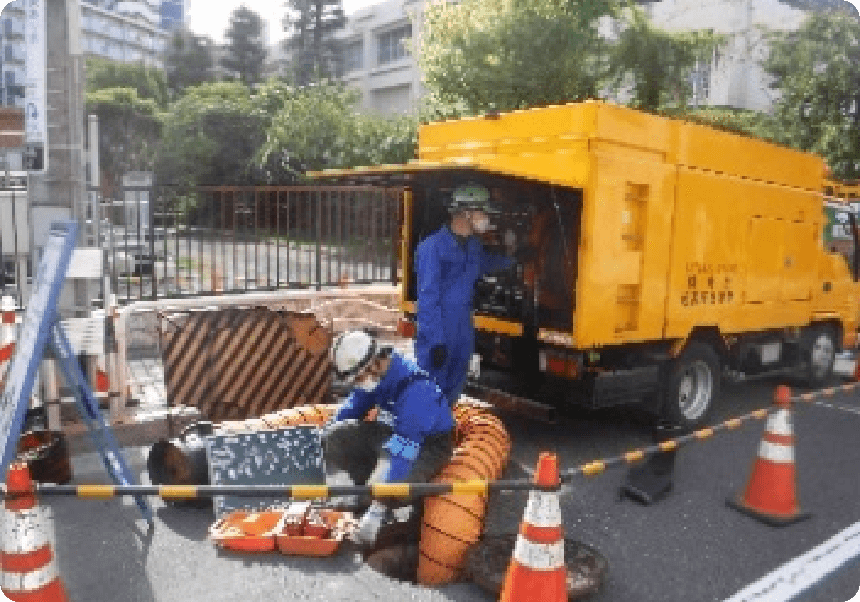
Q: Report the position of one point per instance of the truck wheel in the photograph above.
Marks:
(691, 386)
(818, 355)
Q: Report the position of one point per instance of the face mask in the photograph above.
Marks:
(368, 384)
(480, 223)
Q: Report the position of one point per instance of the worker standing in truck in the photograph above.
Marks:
(448, 263)
(411, 439)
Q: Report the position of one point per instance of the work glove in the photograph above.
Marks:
(370, 524)
(438, 355)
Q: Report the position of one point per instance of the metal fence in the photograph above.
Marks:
(15, 265)
(170, 242)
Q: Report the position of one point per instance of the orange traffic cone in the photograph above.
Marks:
(27, 569)
(771, 493)
(537, 571)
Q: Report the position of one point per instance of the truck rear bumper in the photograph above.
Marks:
(845, 364)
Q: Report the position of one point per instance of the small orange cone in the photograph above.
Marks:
(537, 571)
(771, 493)
(27, 569)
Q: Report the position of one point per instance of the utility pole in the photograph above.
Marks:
(59, 191)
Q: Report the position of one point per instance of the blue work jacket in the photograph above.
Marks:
(418, 407)
(447, 271)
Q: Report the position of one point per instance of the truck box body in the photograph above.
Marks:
(682, 226)
(654, 236)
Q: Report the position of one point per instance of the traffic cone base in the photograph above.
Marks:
(774, 520)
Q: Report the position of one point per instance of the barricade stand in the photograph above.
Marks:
(28, 571)
(771, 492)
(537, 571)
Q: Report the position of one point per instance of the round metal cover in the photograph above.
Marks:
(488, 561)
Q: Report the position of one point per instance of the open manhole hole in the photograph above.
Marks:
(396, 556)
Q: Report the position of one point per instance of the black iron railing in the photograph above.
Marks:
(171, 242)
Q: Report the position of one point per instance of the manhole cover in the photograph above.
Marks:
(488, 561)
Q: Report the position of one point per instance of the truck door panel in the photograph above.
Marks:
(766, 244)
(626, 222)
(799, 265)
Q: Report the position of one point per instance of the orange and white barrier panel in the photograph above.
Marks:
(537, 571)
(28, 571)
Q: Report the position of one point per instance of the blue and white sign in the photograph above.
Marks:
(35, 109)
(36, 328)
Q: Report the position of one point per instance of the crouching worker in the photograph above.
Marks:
(410, 441)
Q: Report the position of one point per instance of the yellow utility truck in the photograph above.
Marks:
(662, 253)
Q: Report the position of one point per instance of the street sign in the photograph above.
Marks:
(35, 89)
(30, 347)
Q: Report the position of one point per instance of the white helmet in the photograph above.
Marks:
(352, 352)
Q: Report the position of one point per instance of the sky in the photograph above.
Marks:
(210, 17)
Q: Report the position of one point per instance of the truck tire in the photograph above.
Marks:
(818, 354)
(692, 383)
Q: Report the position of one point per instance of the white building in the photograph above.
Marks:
(122, 30)
(377, 60)
(125, 31)
(734, 77)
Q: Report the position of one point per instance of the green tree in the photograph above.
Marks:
(129, 130)
(319, 127)
(481, 55)
(148, 82)
(817, 71)
(657, 64)
(246, 50)
(188, 60)
(310, 26)
(210, 135)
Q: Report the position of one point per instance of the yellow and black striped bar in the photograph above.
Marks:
(380, 490)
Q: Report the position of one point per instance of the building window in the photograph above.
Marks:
(391, 45)
(353, 56)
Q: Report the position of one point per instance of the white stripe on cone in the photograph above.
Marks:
(780, 423)
(776, 453)
(539, 556)
(24, 531)
(28, 582)
(543, 509)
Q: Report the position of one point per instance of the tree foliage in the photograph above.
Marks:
(246, 50)
(657, 64)
(504, 54)
(129, 130)
(210, 136)
(188, 60)
(817, 71)
(310, 26)
(148, 82)
(319, 127)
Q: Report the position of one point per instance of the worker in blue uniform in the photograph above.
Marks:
(411, 439)
(448, 264)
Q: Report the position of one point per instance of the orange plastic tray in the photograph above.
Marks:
(305, 545)
(248, 531)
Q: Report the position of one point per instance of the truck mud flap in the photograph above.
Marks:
(624, 386)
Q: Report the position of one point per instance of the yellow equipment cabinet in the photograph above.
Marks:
(663, 251)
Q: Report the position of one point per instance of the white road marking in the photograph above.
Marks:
(836, 407)
(802, 572)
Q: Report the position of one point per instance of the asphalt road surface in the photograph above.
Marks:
(688, 547)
